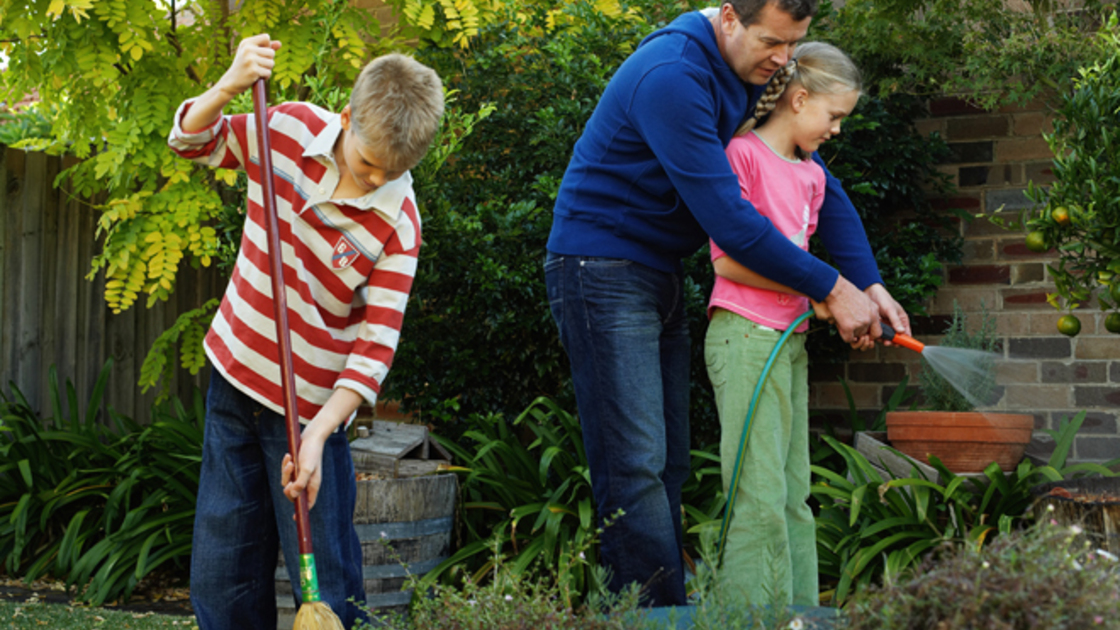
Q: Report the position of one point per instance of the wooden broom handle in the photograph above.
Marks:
(280, 303)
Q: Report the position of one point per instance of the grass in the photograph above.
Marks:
(37, 616)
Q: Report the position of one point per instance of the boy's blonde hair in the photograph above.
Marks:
(396, 107)
(818, 67)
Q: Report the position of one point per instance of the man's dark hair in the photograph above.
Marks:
(748, 10)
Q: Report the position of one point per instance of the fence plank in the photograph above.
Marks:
(31, 279)
(50, 314)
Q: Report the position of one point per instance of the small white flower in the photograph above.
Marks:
(1050, 508)
(509, 598)
(1104, 554)
(796, 624)
(986, 564)
(384, 535)
(581, 556)
(1076, 565)
(1075, 530)
(471, 602)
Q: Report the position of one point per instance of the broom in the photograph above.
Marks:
(314, 614)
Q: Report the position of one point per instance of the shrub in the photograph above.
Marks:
(1080, 211)
(871, 528)
(99, 507)
(1034, 579)
(478, 328)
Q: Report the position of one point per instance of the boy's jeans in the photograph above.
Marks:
(624, 328)
(243, 516)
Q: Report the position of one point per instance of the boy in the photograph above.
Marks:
(351, 233)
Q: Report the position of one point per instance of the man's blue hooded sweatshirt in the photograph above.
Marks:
(649, 179)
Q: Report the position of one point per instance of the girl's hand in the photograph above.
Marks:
(822, 312)
(255, 58)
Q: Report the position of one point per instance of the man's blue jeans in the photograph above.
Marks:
(624, 328)
(242, 517)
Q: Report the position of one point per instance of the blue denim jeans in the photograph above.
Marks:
(242, 517)
(623, 326)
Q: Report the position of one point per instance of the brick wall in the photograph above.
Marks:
(1046, 374)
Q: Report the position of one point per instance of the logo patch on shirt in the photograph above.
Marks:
(344, 254)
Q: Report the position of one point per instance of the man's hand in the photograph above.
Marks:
(889, 309)
(856, 315)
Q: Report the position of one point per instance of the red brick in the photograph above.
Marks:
(1020, 150)
(978, 250)
(961, 202)
(1040, 172)
(1036, 397)
(984, 226)
(1097, 347)
(1014, 324)
(926, 126)
(1018, 249)
(1025, 273)
(951, 106)
(1032, 124)
(831, 395)
(1017, 372)
(970, 299)
(977, 127)
(1021, 299)
(980, 274)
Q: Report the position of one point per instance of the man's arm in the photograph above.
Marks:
(680, 128)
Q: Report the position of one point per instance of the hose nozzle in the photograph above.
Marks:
(906, 341)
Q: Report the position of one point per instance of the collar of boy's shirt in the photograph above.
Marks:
(387, 199)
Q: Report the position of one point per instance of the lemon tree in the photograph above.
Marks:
(1079, 215)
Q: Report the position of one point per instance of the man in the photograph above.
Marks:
(647, 183)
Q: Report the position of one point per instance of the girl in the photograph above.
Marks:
(771, 554)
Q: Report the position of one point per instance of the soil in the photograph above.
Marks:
(164, 595)
(1083, 497)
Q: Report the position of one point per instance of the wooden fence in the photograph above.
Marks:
(50, 315)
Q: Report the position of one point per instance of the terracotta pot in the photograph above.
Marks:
(964, 441)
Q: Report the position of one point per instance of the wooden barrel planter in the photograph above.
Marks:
(1093, 504)
(414, 515)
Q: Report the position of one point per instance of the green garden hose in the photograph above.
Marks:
(747, 430)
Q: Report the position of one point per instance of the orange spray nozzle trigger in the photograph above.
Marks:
(906, 341)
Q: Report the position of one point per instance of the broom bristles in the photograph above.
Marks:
(317, 616)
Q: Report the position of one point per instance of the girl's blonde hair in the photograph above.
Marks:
(818, 67)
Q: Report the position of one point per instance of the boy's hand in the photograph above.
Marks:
(308, 475)
(255, 58)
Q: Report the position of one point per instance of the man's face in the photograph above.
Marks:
(756, 52)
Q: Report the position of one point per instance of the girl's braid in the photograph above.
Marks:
(770, 97)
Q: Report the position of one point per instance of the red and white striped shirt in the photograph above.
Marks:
(348, 264)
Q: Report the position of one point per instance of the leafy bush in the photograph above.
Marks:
(871, 528)
(478, 327)
(1081, 210)
(1035, 579)
(513, 600)
(99, 507)
(526, 493)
